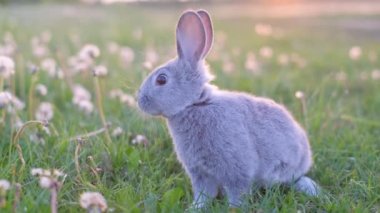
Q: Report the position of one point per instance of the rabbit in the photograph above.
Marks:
(224, 140)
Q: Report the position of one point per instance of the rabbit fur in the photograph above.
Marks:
(224, 140)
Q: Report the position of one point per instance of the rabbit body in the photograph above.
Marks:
(224, 140)
(231, 140)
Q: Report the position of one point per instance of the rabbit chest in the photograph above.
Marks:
(204, 141)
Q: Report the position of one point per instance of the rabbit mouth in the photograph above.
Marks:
(146, 104)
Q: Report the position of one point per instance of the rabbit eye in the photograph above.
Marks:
(161, 79)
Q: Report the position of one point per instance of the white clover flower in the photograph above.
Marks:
(85, 106)
(80, 94)
(82, 99)
(34, 41)
(128, 100)
(90, 200)
(115, 93)
(47, 178)
(151, 55)
(5, 98)
(299, 95)
(123, 97)
(79, 65)
(44, 112)
(251, 63)
(140, 139)
(6, 50)
(17, 103)
(355, 52)
(263, 29)
(50, 179)
(112, 47)
(41, 89)
(7, 67)
(46, 37)
(46, 172)
(40, 51)
(50, 66)
(228, 66)
(89, 51)
(137, 33)
(9, 46)
(117, 132)
(37, 171)
(100, 71)
(375, 74)
(147, 65)
(127, 55)
(266, 52)
(39, 48)
(46, 182)
(58, 173)
(283, 59)
(341, 76)
(4, 185)
(298, 60)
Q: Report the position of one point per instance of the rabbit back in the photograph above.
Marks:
(281, 143)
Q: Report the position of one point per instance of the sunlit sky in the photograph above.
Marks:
(283, 8)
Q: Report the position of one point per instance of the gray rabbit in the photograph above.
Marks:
(224, 140)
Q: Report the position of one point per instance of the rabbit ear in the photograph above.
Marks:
(207, 24)
(191, 37)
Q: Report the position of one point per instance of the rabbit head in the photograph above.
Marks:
(180, 82)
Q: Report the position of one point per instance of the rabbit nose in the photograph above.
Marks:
(143, 98)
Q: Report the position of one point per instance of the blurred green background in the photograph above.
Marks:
(329, 51)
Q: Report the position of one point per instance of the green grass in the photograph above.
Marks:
(342, 119)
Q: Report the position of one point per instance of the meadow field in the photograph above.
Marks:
(324, 68)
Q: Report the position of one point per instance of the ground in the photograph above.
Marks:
(331, 61)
